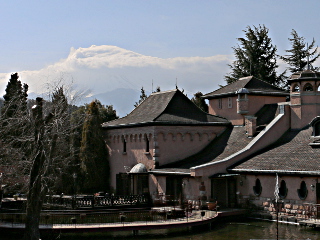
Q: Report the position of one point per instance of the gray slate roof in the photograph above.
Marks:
(166, 108)
(290, 154)
(305, 75)
(252, 84)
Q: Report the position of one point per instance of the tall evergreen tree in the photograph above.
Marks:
(15, 98)
(94, 153)
(299, 53)
(255, 56)
(200, 102)
(143, 96)
(14, 111)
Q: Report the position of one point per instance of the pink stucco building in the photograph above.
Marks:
(253, 132)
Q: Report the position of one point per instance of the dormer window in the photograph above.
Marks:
(316, 129)
(308, 88)
(315, 138)
(315, 123)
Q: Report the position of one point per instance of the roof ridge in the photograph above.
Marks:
(173, 90)
(253, 77)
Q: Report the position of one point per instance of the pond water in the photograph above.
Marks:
(231, 230)
(248, 229)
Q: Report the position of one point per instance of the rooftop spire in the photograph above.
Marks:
(308, 64)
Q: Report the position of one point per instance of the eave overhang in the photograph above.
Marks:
(166, 172)
(284, 172)
(143, 124)
(260, 93)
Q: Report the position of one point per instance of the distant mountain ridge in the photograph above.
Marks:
(122, 99)
(106, 68)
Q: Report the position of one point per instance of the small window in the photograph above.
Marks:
(229, 102)
(318, 89)
(303, 191)
(124, 145)
(257, 189)
(147, 144)
(308, 87)
(283, 190)
(220, 103)
(296, 88)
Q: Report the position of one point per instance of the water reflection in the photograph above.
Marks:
(219, 231)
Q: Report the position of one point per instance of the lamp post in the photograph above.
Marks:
(74, 175)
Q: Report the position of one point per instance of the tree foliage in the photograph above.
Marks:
(93, 152)
(15, 98)
(200, 102)
(143, 96)
(255, 56)
(35, 147)
(300, 53)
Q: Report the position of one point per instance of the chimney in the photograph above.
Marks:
(251, 125)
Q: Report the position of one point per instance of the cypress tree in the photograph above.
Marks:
(15, 98)
(94, 153)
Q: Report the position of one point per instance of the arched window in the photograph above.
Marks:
(303, 191)
(308, 88)
(318, 89)
(296, 88)
(257, 189)
(283, 190)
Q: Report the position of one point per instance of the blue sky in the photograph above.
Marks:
(37, 34)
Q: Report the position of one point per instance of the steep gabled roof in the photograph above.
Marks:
(251, 84)
(291, 154)
(166, 108)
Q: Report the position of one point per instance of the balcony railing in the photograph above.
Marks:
(91, 201)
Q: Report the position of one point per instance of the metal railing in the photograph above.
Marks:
(109, 218)
(91, 201)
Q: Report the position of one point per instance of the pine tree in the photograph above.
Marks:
(299, 53)
(143, 96)
(255, 56)
(94, 153)
(200, 102)
(15, 98)
(14, 109)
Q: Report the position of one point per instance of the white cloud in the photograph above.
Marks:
(104, 68)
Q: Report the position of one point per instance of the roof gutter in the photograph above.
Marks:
(275, 171)
(129, 125)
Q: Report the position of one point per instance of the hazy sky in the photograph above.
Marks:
(37, 34)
